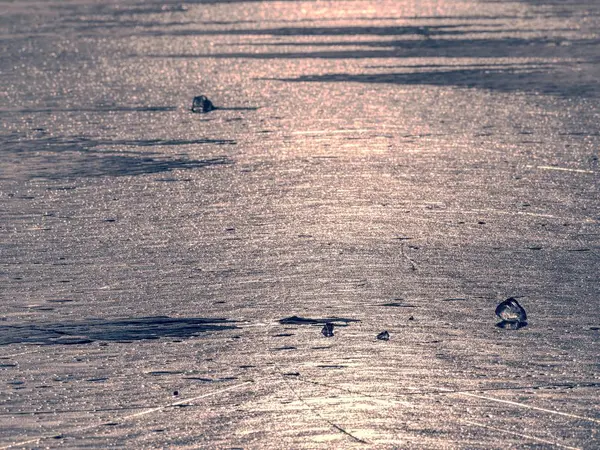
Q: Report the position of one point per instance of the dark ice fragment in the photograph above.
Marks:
(511, 310)
(383, 336)
(202, 104)
(327, 330)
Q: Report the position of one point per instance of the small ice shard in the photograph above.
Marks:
(327, 330)
(202, 104)
(383, 336)
(511, 310)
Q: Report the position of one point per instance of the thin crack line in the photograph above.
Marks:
(350, 391)
(449, 391)
(592, 250)
(413, 265)
(523, 405)
(131, 416)
(333, 425)
(181, 402)
(482, 397)
(314, 411)
(527, 436)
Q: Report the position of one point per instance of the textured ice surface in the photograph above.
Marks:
(469, 126)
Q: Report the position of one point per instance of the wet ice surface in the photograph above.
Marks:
(369, 162)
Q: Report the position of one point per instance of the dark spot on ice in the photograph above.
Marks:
(283, 335)
(173, 180)
(291, 374)
(164, 372)
(295, 320)
(534, 247)
(66, 340)
(211, 380)
(110, 220)
(97, 380)
(41, 308)
(398, 305)
(175, 393)
(458, 299)
(321, 348)
(7, 365)
(411, 318)
(331, 366)
(278, 349)
(247, 366)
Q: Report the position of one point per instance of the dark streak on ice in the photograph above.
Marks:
(120, 330)
(295, 320)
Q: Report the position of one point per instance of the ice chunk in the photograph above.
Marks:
(511, 310)
(202, 104)
(512, 314)
(383, 336)
(327, 330)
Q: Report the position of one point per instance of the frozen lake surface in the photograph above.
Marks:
(382, 165)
